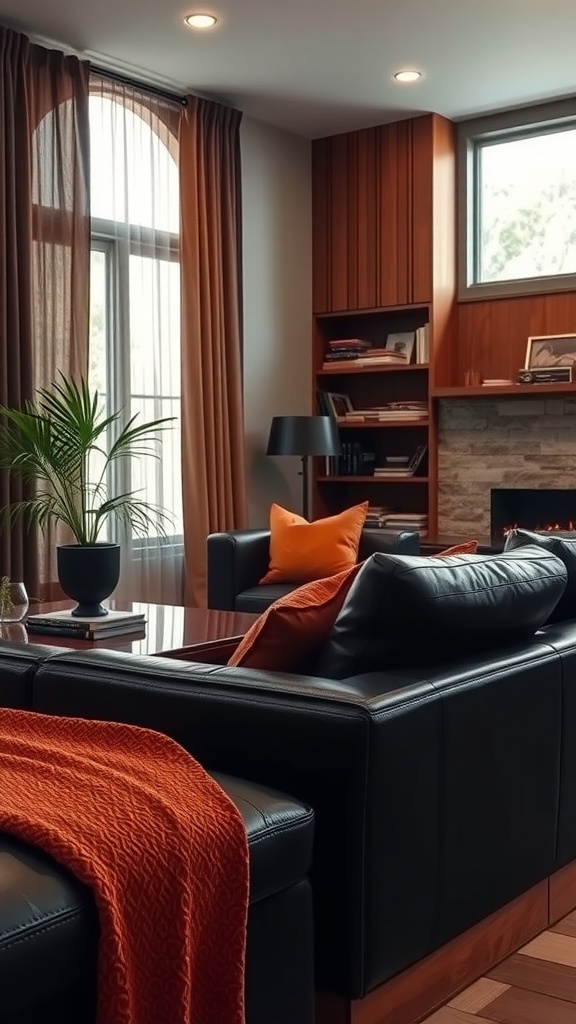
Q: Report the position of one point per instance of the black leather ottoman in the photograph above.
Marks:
(49, 925)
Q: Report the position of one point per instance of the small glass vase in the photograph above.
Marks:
(18, 604)
(14, 631)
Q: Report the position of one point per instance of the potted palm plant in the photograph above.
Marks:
(65, 445)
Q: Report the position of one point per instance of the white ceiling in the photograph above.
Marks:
(321, 67)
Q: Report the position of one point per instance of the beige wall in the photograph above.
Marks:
(277, 273)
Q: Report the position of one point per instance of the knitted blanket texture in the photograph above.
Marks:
(132, 815)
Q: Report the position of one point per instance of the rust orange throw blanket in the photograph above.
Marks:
(131, 814)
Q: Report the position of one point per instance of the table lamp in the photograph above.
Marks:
(304, 436)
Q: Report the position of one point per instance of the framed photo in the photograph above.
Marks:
(551, 350)
(401, 344)
(339, 405)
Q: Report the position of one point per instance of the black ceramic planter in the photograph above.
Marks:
(88, 573)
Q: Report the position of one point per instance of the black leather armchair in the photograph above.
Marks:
(239, 559)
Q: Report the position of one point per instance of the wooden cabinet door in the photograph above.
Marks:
(372, 217)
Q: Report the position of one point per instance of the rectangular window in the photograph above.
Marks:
(135, 321)
(517, 203)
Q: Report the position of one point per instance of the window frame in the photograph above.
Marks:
(545, 118)
(119, 241)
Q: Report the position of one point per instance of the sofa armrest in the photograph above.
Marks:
(343, 748)
(236, 561)
(394, 542)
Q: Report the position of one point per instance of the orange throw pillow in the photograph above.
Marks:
(301, 551)
(467, 547)
(290, 633)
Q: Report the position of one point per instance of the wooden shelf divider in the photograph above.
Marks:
(351, 478)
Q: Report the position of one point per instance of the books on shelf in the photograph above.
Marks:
(401, 348)
(366, 359)
(381, 517)
(423, 344)
(416, 521)
(353, 344)
(63, 623)
(131, 632)
(353, 461)
(344, 355)
(389, 411)
(376, 515)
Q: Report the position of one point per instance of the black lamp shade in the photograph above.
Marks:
(303, 435)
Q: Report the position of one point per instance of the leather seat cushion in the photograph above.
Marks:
(258, 599)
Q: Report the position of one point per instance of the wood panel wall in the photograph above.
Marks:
(384, 231)
(372, 217)
(492, 335)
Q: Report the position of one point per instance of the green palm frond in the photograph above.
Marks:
(51, 441)
(5, 595)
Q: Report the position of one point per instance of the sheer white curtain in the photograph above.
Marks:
(134, 349)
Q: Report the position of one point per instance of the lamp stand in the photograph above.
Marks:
(304, 475)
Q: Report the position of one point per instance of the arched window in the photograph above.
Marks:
(135, 285)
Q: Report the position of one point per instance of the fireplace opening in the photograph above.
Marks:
(531, 509)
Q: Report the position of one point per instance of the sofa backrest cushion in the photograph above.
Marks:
(564, 547)
(404, 609)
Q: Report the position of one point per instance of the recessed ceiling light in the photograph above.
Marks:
(408, 76)
(200, 20)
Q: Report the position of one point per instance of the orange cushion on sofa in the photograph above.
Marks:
(289, 634)
(301, 551)
(467, 547)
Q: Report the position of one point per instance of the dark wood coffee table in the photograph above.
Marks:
(193, 634)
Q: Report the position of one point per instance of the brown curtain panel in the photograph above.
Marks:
(214, 492)
(44, 249)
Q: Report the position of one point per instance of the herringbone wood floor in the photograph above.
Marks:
(537, 985)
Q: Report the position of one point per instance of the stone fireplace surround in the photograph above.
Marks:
(490, 442)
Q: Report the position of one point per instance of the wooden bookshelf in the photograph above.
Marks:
(392, 479)
(413, 368)
(384, 261)
(505, 390)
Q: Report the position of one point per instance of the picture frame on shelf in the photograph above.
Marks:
(402, 345)
(546, 350)
(338, 404)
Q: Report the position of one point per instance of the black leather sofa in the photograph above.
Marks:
(48, 920)
(441, 768)
(237, 560)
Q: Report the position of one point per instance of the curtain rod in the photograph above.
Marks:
(156, 90)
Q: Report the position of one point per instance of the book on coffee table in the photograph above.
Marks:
(63, 623)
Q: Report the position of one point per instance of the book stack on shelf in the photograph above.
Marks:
(63, 623)
(381, 517)
(404, 411)
(417, 521)
(344, 351)
(400, 349)
(376, 516)
(332, 403)
(401, 411)
(398, 466)
(368, 356)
